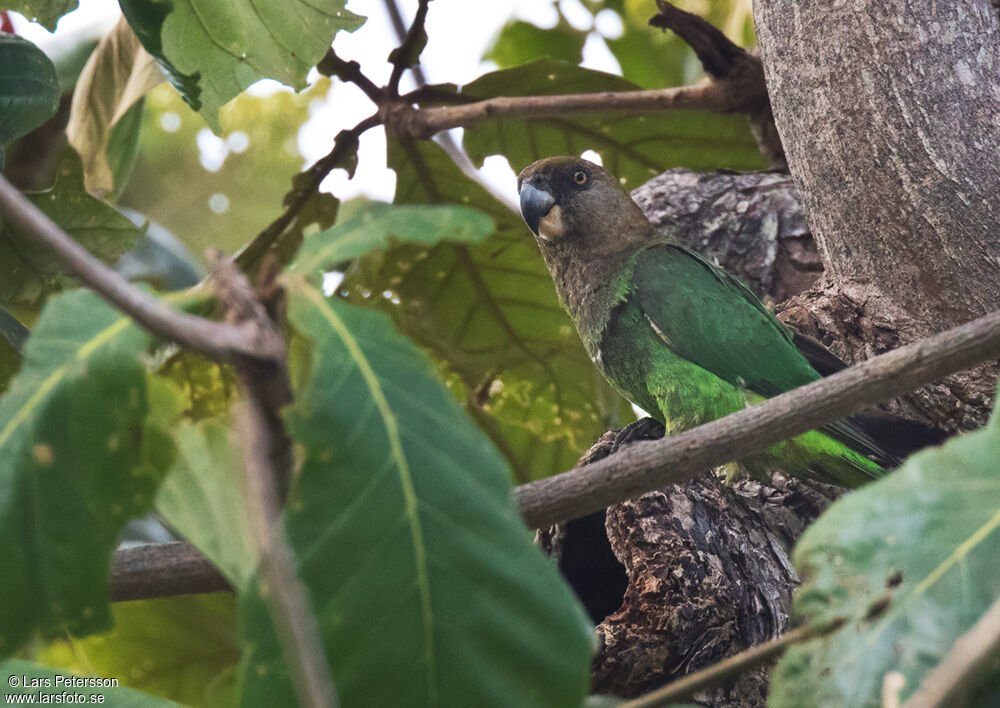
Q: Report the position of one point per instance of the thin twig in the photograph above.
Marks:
(645, 466)
(350, 71)
(306, 185)
(402, 54)
(424, 122)
(949, 683)
(735, 665)
(285, 595)
(218, 341)
(266, 465)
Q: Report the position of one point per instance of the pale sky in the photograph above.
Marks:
(459, 31)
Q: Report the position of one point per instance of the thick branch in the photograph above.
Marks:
(425, 122)
(162, 570)
(646, 466)
(950, 682)
(215, 340)
(726, 669)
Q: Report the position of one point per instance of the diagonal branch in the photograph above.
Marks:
(730, 667)
(645, 466)
(218, 341)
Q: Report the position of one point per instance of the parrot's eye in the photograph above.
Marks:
(580, 177)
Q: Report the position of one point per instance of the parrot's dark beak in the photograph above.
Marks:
(535, 205)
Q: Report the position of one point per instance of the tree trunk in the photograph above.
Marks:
(889, 114)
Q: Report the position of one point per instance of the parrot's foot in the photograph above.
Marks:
(643, 429)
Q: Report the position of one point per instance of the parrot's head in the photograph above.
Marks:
(573, 202)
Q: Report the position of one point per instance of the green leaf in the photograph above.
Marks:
(490, 313)
(106, 111)
(159, 259)
(379, 226)
(202, 498)
(910, 561)
(74, 467)
(44, 12)
(211, 51)
(181, 648)
(28, 270)
(426, 585)
(632, 147)
(521, 42)
(44, 683)
(29, 88)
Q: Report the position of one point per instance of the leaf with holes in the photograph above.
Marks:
(75, 465)
(426, 585)
(911, 562)
(211, 51)
(28, 271)
(633, 147)
(489, 312)
(29, 88)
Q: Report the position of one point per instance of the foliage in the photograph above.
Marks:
(910, 562)
(29, 88)
(28, 272)
(212, 51)
(36, 676)
(75, 465)
(431, 363)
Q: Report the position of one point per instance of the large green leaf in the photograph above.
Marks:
(28, 270)
(74, 467)
(29, 88)
(910, 562)
(43, 684)
(490, 313)
(426, 585)
(211, 50)
(182, 648)
(202, 498)
(632, 147)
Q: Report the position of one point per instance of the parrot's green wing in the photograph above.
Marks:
(711, 319)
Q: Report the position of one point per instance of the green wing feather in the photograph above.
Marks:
(713, 320)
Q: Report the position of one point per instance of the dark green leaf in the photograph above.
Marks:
(182, 648)
(426, 584)
(29, 88)
(12, 337)
(489, 311)
(44, 684)
(28, 270)
(74, 467)
(910, 561)
(211, 51)
(520, 42)
(632, 147)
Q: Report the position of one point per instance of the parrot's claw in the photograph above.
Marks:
(643, 429)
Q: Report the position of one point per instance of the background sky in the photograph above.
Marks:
(460, 32)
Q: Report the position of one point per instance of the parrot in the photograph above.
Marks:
(678, 336)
